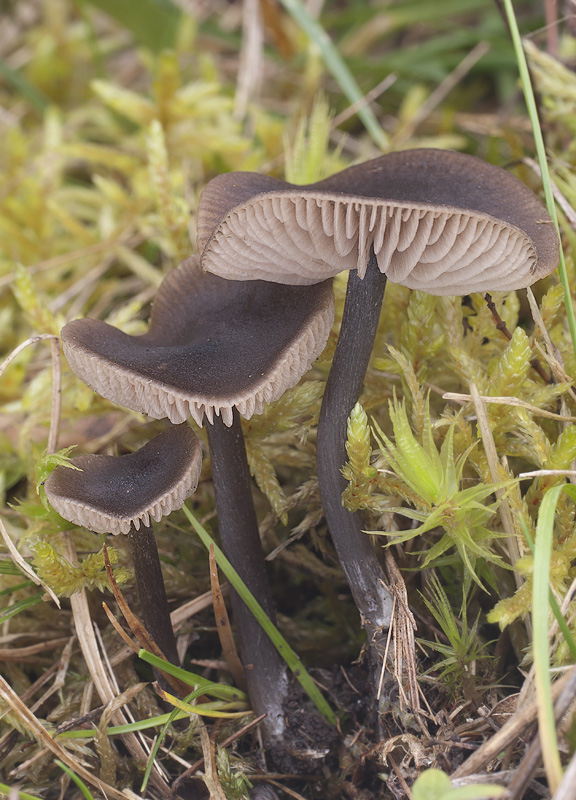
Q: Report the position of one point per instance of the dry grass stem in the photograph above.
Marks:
(400, 776)
(138, 629)
(385, 656)
(56, 405)
(60, 679)
(442, 91)
(26, 653)
(210, 772)
(187, 610)
(369, 97)
(564, 204)
(403, 626)
(539, 322)
(496, 474)
(566, 789)
(228, 741)
(224, 628)
(507, 401)
(251, 69)
(120, 630)
(97, 671)
(38, 731)
(513, 729)
(134, 623)
(541, 473)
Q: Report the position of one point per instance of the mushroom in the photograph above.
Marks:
(216, 349)
(121, 494)
(438, 221)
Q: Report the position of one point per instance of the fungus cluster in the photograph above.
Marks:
(438, 221)
(214, 349)
(235, 329)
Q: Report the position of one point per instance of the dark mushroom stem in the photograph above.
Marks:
(265, 670)
(152, 591)
(357, 557)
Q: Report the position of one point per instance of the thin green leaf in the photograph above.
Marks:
(78, 781)
(541, 153)
(174, 715)
(541, 590)
(20, 605)
(27, 90)
(220, 690)
(15, 588)
(337, 66)
(205, 709)
(9, 791)
(8, 567)
(131, 727)
(556, 610)
(290, 657)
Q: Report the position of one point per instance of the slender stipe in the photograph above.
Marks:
(151, 590)
(265, 670)
(351, 359)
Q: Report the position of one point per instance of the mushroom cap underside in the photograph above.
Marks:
(108, 494)
(212, 345)
(439, 221)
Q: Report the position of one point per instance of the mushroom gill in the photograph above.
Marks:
(212, 346)
(109, 494)
(438, 221)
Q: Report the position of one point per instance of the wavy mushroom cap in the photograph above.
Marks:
(439, 221)
(212, 345)
(108, 494)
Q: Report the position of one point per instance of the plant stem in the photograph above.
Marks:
(152, 591)
(265, 671)
(338, 67)
(540, 146)
(357, 557)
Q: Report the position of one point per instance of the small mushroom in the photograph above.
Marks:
(122, 494)
(216, 349)
(438, 221)
(212, 346)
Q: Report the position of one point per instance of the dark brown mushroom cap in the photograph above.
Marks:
(439, 221)
(212, 345)
(108, 494)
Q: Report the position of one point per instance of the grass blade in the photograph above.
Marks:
(8, 567)
(556, 610)
(13, 791)
(131, 727)
(78, 781)
(541, 579)
(22, 85)
(20, 605)
(541, 153)
(290, 657)
(337, 66)
(205, 709)
(219, 690)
